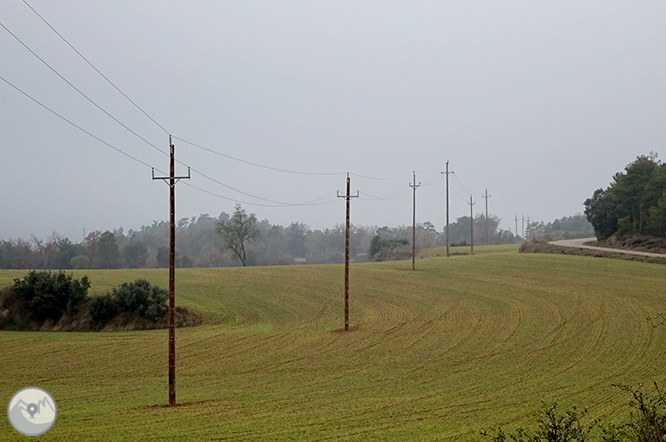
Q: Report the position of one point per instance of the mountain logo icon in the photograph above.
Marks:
(32, 411)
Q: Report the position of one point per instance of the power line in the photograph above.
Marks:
(79, 91)
(395, 196)
(277, 203)
(97, 70)
(277, 169)
(295, 172)
(76, 125)
(315, 202)
(236, 200)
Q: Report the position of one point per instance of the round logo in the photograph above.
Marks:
(32, 411)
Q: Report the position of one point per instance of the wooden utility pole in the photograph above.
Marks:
(348, 198)
(523, 227)
(414, 186)
(171, 180)
(471, 217)
(448, 242)
(516, 225)
(486, 196)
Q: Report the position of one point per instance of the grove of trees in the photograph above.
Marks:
(633, 204)
(241, 238)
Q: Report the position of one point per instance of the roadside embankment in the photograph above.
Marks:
(571, 248)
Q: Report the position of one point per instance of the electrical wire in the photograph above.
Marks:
(312, 203)
(79, 91)
(315, 202)
(77, 126)
(276, 203)
(395, 196)
(97, 70)
(257, 164)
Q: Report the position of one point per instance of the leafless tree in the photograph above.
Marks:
(240, 228)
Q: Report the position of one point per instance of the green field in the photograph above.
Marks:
(461, 344)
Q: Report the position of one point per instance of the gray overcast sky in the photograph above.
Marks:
(540, 102)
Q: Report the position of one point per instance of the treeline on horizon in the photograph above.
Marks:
(199, 245)
(634, 204)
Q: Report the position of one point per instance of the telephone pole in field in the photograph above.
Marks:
(448, 243)
(516, 225)
(471, 217)
(414, 186)
(171, 180)
(486, 196)
(348, 198)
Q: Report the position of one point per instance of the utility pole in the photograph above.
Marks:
(486, 196)
(471, 217)
(523, 227)
(171, 180)
(516, 225)
(414, 186)
(448, 243)
(348, 198)
(527, 225)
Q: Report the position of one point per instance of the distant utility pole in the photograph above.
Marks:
(486, 196)
(414, 186)
(448, 243)
(471, 217)
(523, 227)
(171, 180)
(348, 198)
(516, 225)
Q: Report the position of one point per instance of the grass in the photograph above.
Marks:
(459, 345)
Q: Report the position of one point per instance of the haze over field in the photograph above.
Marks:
(538, 102)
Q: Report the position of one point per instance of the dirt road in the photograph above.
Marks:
(579, 243)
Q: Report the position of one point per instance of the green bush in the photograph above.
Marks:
(46, 295)
(148, 301)
(102, 308)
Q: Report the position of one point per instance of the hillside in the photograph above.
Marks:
(459, 345)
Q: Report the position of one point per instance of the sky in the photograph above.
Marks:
(272, 103)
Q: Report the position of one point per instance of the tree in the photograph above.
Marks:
(297, 236)
(108, 251)
(237, 231)
(633, 203)
(135, 255)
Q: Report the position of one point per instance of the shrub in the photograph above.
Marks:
(552, 426)
(46, 295)
(148, 301)
(102, 308)
(646, 423)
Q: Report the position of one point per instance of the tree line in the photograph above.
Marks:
(633, 204)
(203, 242)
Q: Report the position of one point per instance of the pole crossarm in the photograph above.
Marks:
(167, 179)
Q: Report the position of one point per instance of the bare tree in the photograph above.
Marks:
(237, 231)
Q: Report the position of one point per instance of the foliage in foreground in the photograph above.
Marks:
(646, 423)
(58, 301)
